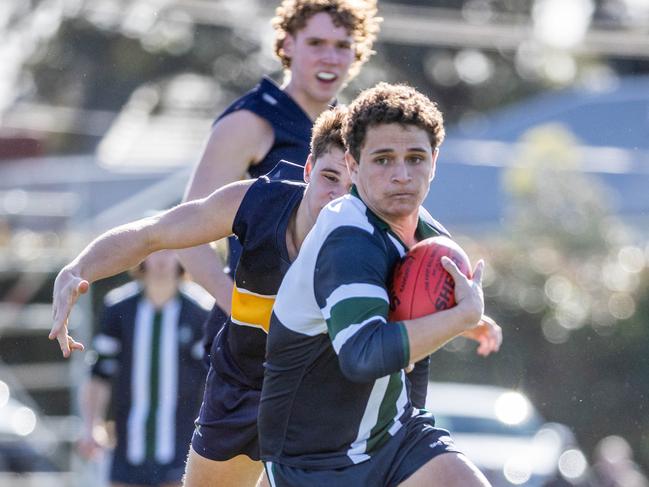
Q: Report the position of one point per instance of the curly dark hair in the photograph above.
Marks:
(327, 131)
(387, 103)
(357, 16)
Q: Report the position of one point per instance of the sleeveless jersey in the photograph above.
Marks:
(291, 130)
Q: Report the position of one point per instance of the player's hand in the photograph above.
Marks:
(488, 334)
(88, 447)
(67, 289)
(468, 292)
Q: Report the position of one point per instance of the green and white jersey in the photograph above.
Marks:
(334, 387)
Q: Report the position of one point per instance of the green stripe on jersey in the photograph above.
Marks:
(387, 413)
(353, 311)
(154, 378)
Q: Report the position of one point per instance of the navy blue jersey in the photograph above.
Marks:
(260, 225)
(291, 137)
(291, 134)
(154, 359)
(330, 353)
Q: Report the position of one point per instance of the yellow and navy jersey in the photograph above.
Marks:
(153, 357)
(260, 225)
(334, 387)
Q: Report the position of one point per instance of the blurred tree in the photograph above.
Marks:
(572, 295)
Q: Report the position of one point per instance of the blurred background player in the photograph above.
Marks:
(322, 44)
(149, 359)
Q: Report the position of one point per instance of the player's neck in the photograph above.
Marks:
(301, 222)
(311, 107)
(160, 291)
(403, 227)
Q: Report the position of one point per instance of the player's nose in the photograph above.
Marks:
(330, 55)
(400, 172)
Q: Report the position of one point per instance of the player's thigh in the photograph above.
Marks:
(449, 469)
(239, 471)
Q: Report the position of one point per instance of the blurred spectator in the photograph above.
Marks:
(614, 465)
(149, 355)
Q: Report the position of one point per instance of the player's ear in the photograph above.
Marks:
(288, 46)
(434, 163)
(352, 165)
(308, 168)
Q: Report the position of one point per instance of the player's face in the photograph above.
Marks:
(328, 179)
(161, 265)
(321, 54)
(396, 168)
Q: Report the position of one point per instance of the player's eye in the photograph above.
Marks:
(332, 178)
(344, 45)
(382, 161)
(415, 159)
(314, 42)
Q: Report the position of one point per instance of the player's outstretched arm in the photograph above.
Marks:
(428, 333)
(124, 247)
(236, 142)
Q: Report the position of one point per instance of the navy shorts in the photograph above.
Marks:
(149, 472)
(227, 423)
(417, 442)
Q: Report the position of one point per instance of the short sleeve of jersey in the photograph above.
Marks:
(108, 343)
(349, 283)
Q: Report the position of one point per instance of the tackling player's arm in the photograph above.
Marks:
(242, 139)
(123, 247)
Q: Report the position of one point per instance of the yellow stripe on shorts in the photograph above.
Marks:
(251, 309)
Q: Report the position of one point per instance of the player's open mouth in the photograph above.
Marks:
(326, 76)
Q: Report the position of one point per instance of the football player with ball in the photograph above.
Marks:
(334, 407)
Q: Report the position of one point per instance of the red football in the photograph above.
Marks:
(421, 285)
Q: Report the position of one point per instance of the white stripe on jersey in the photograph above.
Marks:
(140, 384)
(402, 402)
(165, 444)
(354, 290)
(357, 449)
(350, 331)
(269, 472)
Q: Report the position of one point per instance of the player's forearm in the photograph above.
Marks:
(93, 402)
(429, 333)
(115, 251)
(206, 268)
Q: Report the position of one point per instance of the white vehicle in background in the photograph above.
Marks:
(503, 434)
(28, 449)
